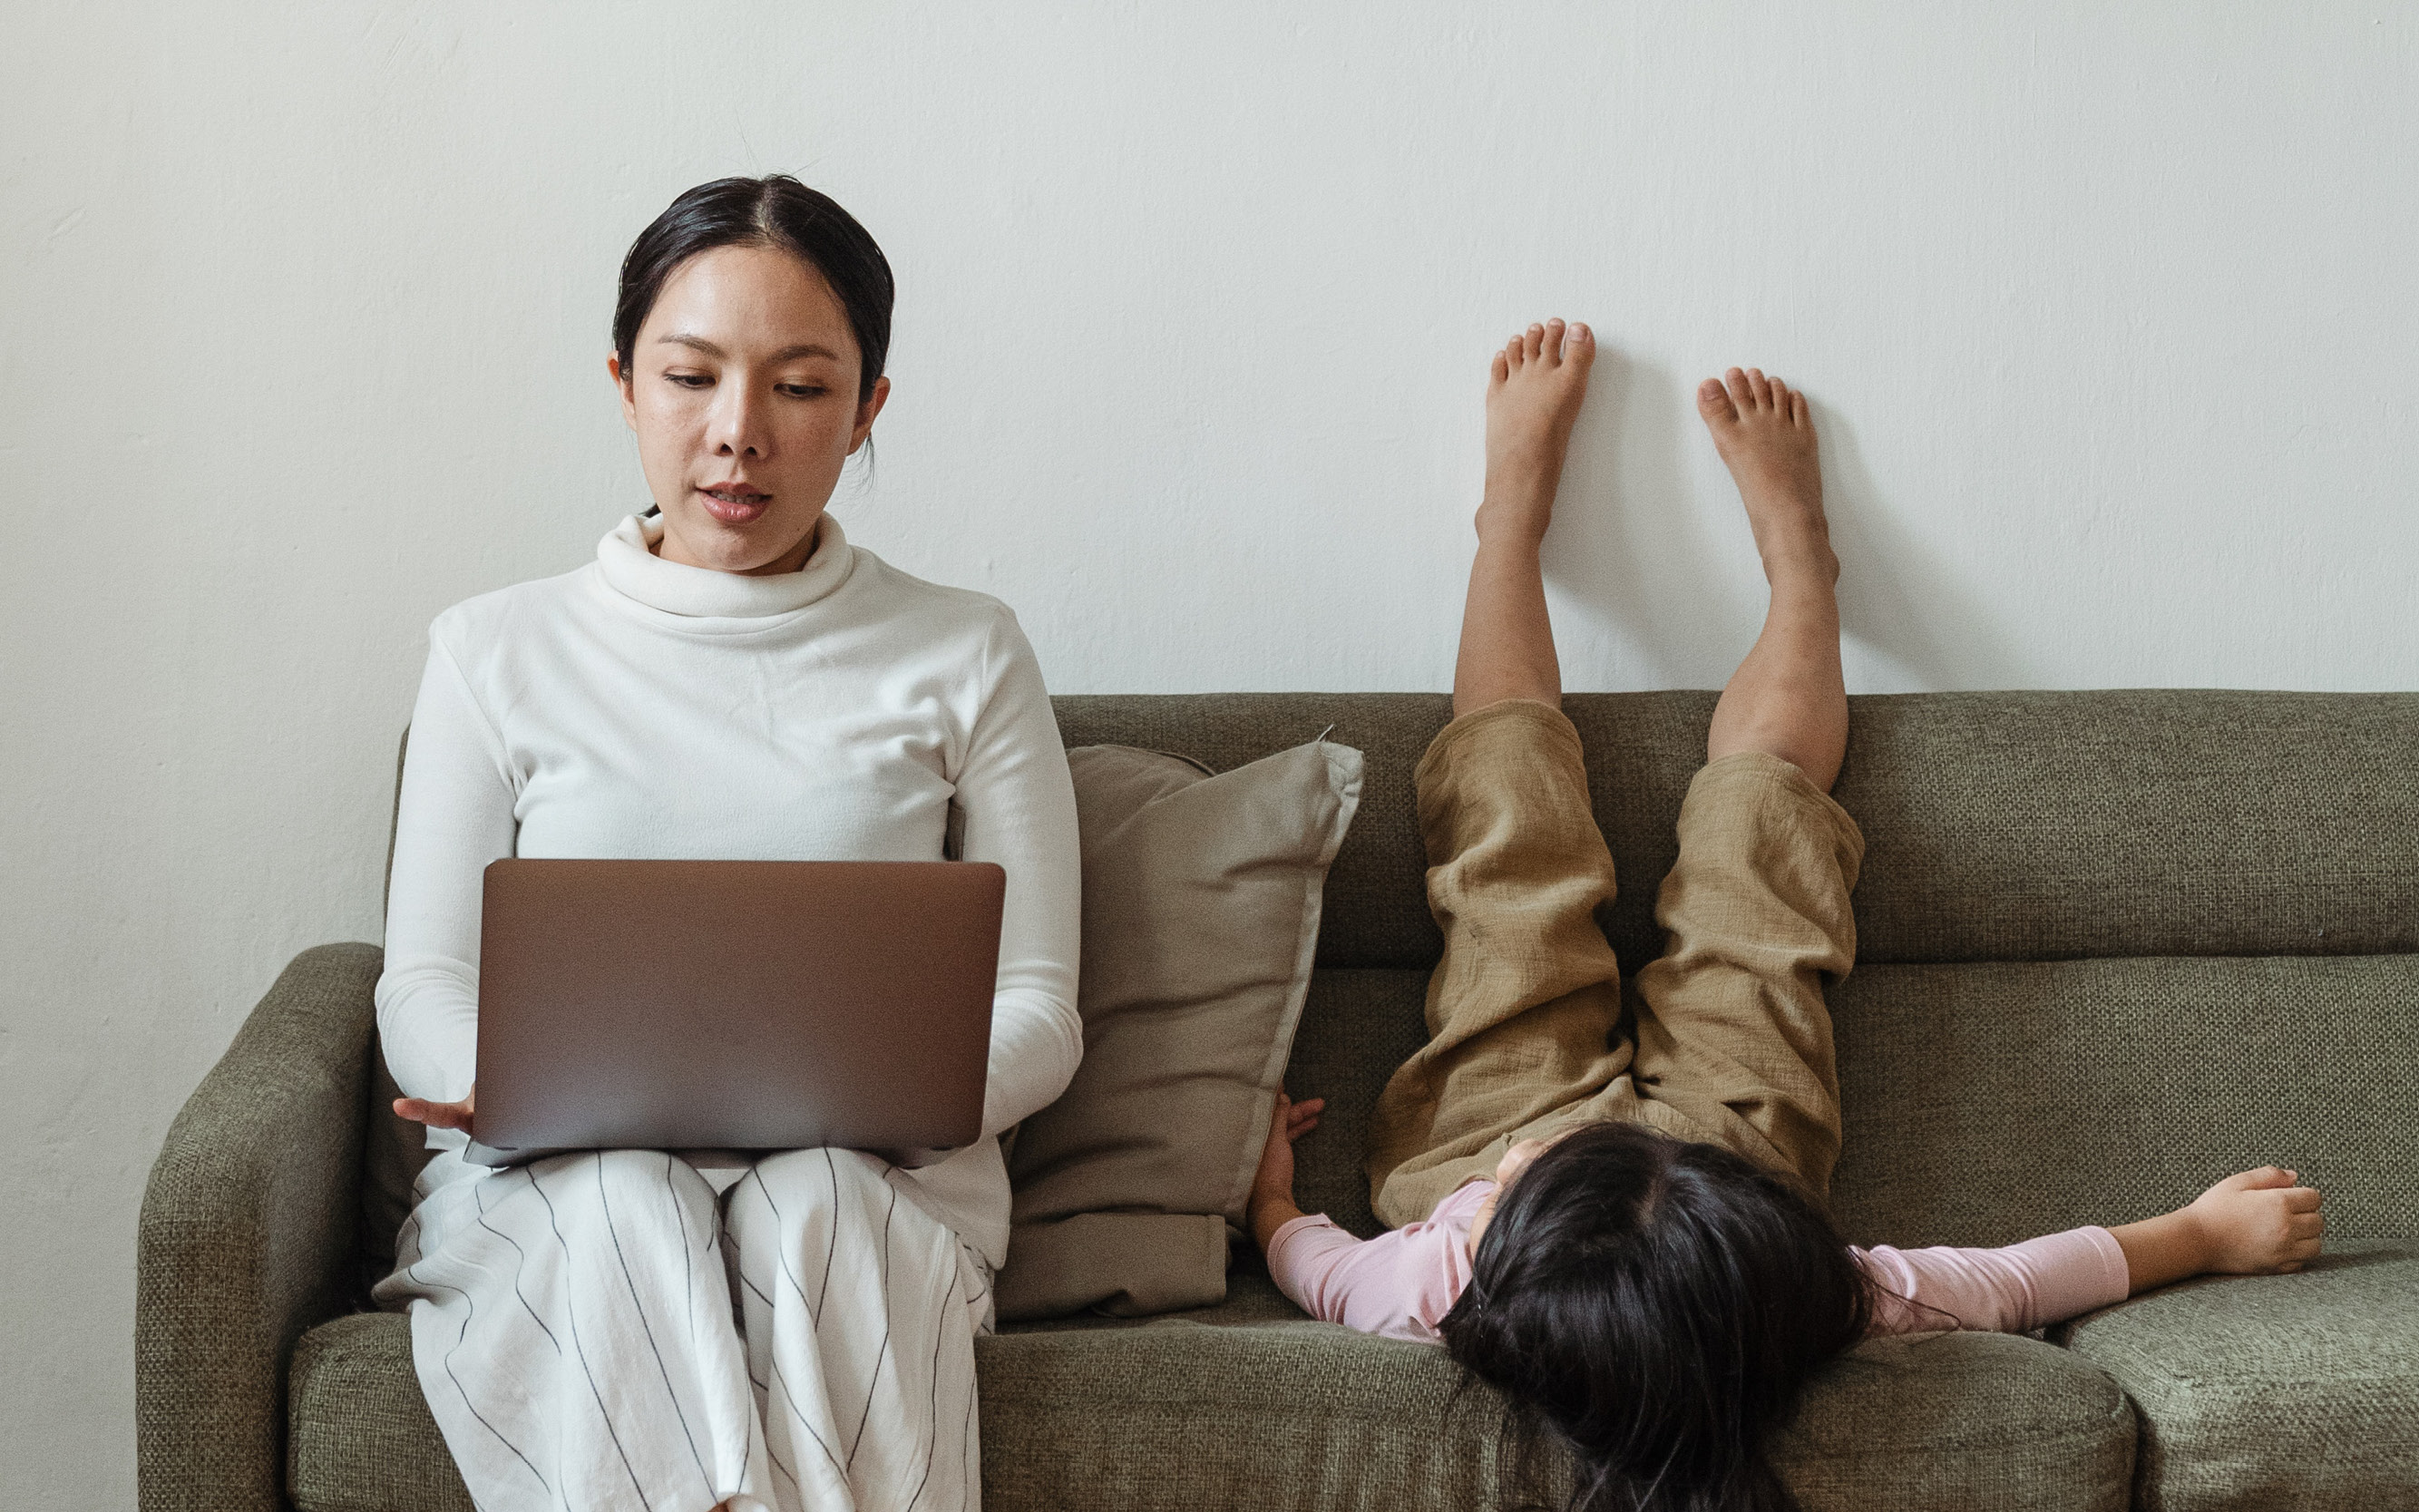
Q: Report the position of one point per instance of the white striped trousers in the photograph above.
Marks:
(601, 1331)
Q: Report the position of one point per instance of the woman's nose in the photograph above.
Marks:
(739, 429)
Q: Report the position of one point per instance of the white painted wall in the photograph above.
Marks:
(2110, 314)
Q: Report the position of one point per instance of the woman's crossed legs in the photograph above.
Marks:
(1731, 1040)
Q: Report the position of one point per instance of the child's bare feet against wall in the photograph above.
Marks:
(1788, 698)
(1533, 391)
(1765, 435)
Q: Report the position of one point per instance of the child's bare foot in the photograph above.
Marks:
(1533, 395)
(1765, 435)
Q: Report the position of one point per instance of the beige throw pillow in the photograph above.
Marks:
(1201, 905)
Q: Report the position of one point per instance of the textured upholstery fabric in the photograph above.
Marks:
(1984, 1103)
(1356, 1029)
(247, 1234)
(2000, 826)
(393, 1151)
(1970, 1421)
(2029, 826)
(2179, 838)
(1201, 907)
(363, 1438)
(2257, 1392)
(1251, 1405)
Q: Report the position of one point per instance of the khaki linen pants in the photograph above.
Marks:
(1732, 1040)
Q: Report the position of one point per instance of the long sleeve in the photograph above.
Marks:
(1018, 804)
(1400, 1284)
(2011, 1290)
(454, 815)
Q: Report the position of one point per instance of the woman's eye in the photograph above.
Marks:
(802, 391)
(690, 381)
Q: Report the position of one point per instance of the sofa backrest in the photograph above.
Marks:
(2112, 945)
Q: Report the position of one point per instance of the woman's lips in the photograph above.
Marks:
(735, 503)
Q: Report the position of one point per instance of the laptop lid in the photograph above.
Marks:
(741, 1005)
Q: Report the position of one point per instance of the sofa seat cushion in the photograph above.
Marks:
(2275, 1390)
(1974, 1421)
(358, 1437)
(1250, 1404)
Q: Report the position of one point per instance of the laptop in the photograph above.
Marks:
(734, 1005)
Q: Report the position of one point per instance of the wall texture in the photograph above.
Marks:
(2107, 312)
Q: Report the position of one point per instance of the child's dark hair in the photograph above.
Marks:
(1659, 1304)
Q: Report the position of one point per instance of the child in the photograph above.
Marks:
(1625, 1231)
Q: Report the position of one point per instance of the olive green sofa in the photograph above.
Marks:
(2115, 945)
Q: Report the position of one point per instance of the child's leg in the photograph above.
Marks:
(1522, 1008)
(1533, 395)
(1787, 698)
(1733, 1034)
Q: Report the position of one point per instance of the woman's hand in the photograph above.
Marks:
(437, 1114)
(1273, 1206)
(2257, 1223)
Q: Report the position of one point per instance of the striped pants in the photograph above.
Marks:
(603, 1330)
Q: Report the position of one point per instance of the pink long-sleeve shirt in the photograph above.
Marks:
(1402, 1284)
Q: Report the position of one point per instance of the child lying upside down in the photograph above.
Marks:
(1622, 1226)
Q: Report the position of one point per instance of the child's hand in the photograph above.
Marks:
(1272, 1203)
(2259, 1223)
(1290, 1122)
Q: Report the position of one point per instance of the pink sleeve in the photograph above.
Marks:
(1400, 1284)
(2010, 1291)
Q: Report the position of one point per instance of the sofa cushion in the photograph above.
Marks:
(1250, 1404)
(1201, 908)
(358, 1436)
(1972, 1421)
(2020, 827)
(2029, 827)
(1985, 1103)
(2273, 1391)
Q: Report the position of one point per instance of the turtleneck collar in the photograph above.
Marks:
(634, 571)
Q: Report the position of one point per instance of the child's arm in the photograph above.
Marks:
(1400, 1284)
(1273, 1205)
(2256, 1222)
(2259, 1223)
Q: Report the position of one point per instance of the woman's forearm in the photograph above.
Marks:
(454, 815)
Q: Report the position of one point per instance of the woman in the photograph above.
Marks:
(1616, 1220)
(729, 679)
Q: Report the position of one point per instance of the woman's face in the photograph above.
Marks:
(743, 394)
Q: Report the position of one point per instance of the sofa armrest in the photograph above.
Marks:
(247, 1237)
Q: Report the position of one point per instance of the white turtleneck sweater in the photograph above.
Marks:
(639, 709)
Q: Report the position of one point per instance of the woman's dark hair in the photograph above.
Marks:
(772, 212)
(1659, 1304)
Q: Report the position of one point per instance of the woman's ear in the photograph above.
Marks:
(867, 409)
(629, 396)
